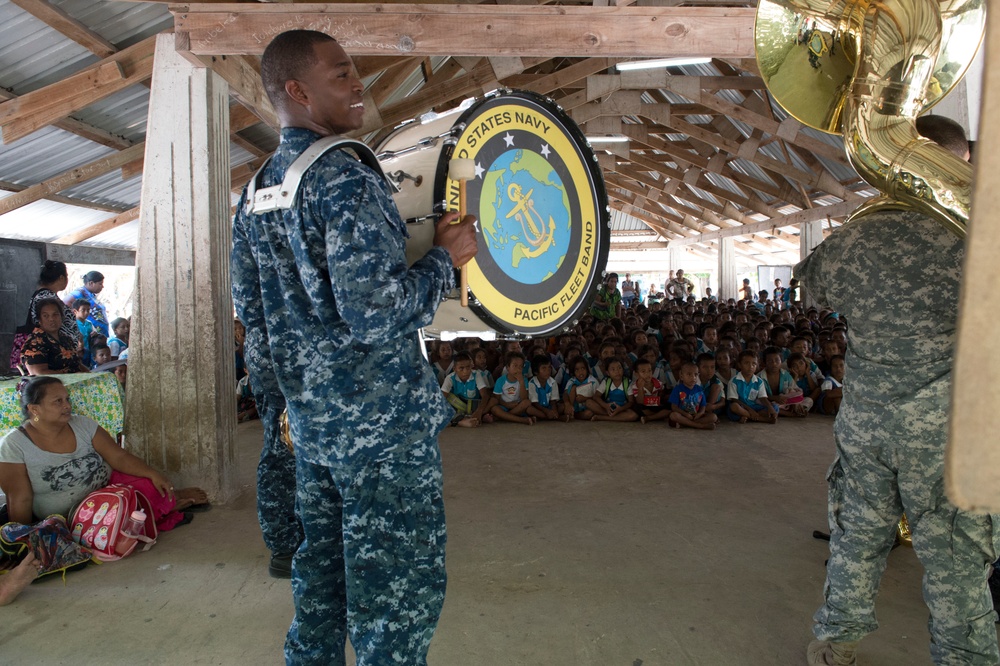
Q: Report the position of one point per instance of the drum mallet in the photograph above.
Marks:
(462, 170)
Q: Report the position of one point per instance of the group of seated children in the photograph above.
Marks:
(94, 349)
(687, 366)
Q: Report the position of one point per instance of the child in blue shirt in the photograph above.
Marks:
(81, 309)
(510, 393)
(799, 370)
(119, 341)
(612, 401)
(832, 389)
(543, 393)
(647, 393)
(781, 387)
(688, 406)
(747, 393)
(715, 392)
(466, 392)
(580, 388)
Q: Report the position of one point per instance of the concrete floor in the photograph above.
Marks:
(579, 544)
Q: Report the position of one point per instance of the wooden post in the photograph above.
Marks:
(181, 412)
(972, 464)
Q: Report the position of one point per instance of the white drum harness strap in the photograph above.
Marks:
(282, 197)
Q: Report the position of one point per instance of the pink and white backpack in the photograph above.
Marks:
(97, 522)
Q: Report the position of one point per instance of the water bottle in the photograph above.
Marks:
(133, 528)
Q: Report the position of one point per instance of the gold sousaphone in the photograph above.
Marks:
(866, 70)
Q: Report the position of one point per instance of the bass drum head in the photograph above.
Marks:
(542, 209)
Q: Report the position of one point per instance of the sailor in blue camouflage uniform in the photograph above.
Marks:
(279, 525)
(895, 276)
(342, 310)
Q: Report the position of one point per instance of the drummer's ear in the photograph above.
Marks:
(296, 93)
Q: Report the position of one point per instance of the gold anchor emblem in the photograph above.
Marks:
(524, 212)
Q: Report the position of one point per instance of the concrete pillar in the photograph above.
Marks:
(810, 235)
(181, 412)
(727, 269)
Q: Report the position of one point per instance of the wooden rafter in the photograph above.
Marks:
(483, 30)
(62, 22)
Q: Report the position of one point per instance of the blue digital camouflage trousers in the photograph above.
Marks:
(870, 486)
(372, 566)
(276, 482)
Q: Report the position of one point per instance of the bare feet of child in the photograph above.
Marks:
(13, 583)
(468, 422)
(189, 497)
(567, 417)
(487, 418)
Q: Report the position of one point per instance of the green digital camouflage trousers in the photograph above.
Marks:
(873, 480)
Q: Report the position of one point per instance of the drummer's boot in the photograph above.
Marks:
(826, 653)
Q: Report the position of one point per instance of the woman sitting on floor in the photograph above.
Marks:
(49, 351)
(55, 459)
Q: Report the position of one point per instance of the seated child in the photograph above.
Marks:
(543, 391)
(119, 341)
(781, 387)
(467, 392)
(510, 393)
(121, 372)
(804, 379)
(715, 391)
(101, 354)
(647, 393)
(724, 366)
(747, 394)
(580, 388)
(599, 369)
(612, 400)
(832, 389)
(443, 362)
(688, 406)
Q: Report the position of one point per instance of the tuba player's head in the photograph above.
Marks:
(946, 133)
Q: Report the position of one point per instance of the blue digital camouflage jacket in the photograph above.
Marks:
(328, 281)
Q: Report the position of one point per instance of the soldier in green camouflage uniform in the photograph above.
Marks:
(342, 310)
(894, 276)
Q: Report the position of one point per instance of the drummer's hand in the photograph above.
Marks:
(459, 239)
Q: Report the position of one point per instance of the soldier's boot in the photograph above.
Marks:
(826, 653)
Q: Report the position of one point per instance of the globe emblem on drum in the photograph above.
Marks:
(525, 217)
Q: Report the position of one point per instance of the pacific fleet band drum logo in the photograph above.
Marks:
(534, 195)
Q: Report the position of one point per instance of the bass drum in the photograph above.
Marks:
(543, 218)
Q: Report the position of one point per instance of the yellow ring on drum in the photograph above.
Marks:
(545, 312)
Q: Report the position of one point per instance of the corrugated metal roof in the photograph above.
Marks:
(32, 54)
(47, 153)
(59, 220)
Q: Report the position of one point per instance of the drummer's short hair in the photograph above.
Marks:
(287, 57)
(945, 132)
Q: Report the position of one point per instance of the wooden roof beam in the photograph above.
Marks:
(31, 111)
(72, 177)
(62, 22)
(480, 30)
(839, 210)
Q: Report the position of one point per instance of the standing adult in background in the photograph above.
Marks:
(628, 291)
(93, 284)
(52, 279)
(891, 434)
(680, 287)
(328, 279)
(607, 304)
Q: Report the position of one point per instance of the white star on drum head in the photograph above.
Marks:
(479, 170)
(546, 151)
(509, 140)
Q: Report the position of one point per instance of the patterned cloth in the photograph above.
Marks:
(895, 277)
(68, 327)
(96, 395)
(328, 281)
(612, 299)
